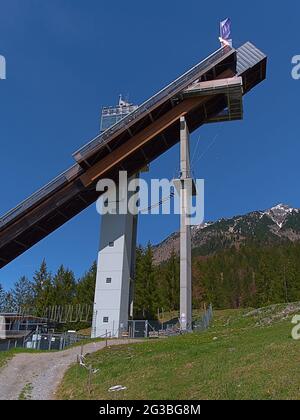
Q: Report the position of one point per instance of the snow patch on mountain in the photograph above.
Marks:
(201, 227)
(218, 235)
(280, 213)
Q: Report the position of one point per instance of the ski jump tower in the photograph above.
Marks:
(210, 92)
(116, 258)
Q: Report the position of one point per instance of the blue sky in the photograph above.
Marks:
(67, 58)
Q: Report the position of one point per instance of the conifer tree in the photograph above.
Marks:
(23, 294)
(85, 289)
(2, 299)
(43, 289)
(64, 287)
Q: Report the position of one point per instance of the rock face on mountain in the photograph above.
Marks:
(276, 225)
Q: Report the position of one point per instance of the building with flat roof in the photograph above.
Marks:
(14, 325)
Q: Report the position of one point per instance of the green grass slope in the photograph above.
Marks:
(240, 357)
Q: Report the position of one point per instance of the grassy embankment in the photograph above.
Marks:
(239, 357)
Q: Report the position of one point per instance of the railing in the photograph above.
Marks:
(169, 91)
(53, 185)
(183, 81)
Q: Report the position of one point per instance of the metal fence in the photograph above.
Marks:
(152, 329)
(8, 344)
(203, 323)
(137, 329)
(42, 341)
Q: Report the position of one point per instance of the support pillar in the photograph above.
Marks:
(115, 273)
(185, 230)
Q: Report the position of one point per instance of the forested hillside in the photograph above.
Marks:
(253, 275)
(278, 225)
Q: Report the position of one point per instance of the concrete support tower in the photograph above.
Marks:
(116, 258)
(185, 229)
(115, 272)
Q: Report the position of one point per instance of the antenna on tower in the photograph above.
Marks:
(121, 102)
(124, 101)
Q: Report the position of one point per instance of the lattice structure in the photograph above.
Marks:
(69, 314)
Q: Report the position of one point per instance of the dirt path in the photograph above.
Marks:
(40, 374)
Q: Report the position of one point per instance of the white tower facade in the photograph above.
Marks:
(113, 301)
(115, 273)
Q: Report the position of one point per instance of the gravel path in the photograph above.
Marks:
(41, 373)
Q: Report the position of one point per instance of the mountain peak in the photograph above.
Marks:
(283, 207)
(279, 223)
(280, 212)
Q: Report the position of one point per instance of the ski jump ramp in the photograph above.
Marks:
(211, 91)
(134, 142)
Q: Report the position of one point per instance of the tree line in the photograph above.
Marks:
(251, 276)
(46, 289)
